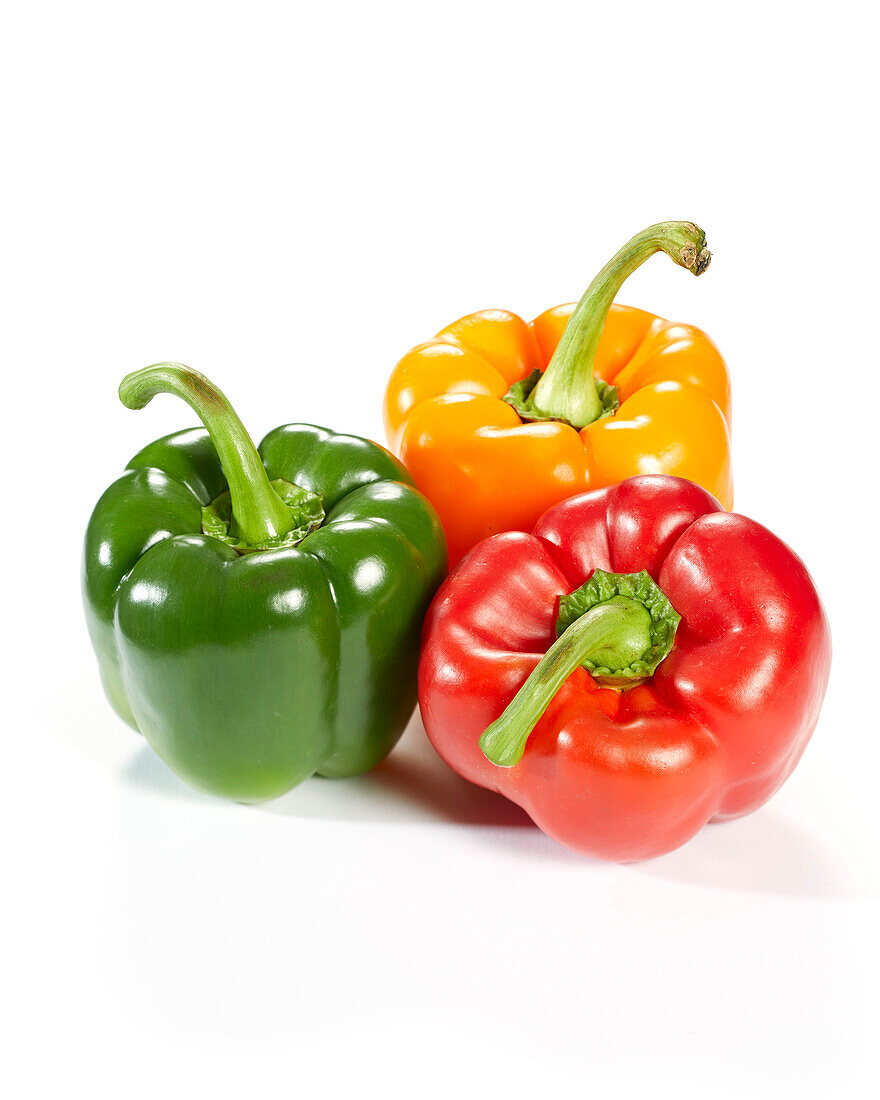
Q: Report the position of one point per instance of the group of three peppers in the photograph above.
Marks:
(613, 649)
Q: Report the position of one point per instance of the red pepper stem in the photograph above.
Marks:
(620, 625)
(259, 513)
(567, 389)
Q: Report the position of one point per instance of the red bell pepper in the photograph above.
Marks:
(555, 670)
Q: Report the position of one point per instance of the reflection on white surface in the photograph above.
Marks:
(762, 853)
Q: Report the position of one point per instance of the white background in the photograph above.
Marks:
(287, 197)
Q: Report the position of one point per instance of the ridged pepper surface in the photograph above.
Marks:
(642, 663)
(256, 615)
(497, 419)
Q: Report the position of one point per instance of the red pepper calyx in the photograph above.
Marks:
(612, 666)
(619, 626)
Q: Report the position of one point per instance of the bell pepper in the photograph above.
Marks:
(498, 419)
(256, 614)
(642, 663)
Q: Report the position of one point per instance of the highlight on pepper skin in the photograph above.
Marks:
(616, 671)
(497, 419)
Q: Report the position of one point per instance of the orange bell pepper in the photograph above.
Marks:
(498, 419)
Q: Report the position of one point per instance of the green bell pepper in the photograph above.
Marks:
(256, 614)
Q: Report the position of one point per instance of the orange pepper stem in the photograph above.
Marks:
(567, 390)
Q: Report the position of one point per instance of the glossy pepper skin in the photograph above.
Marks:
(249, 671)
(486, 469)
(630, 774)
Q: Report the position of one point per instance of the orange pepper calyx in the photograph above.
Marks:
(519, 397)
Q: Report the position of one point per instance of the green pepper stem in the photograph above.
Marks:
(567, 389)
(621, 624)
(259, 513)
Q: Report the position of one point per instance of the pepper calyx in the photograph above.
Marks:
(607, 666)
(619, 626)
(519, 397)
(306, 512)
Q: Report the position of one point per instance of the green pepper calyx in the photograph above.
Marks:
(258, 517)
(306, 509)
(618, 626)
(568, 390)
